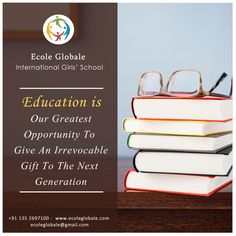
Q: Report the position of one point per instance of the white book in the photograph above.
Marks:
(200, 108)
(199, 128)
(174, 183)
(184, 163)
(211, 143)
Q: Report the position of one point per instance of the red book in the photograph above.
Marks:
(176, 183)
(206, 108)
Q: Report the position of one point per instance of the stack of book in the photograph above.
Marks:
(184, 144)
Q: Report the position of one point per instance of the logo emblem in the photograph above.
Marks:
(58, 29)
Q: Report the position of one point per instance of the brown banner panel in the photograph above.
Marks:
(60, 117)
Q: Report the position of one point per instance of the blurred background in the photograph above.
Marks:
(166, 37)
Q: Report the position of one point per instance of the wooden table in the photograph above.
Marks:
(160, 212)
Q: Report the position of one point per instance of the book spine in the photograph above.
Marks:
(134, 161)
(132, 107)
(126, 176)
(128, 141)
(123, 124)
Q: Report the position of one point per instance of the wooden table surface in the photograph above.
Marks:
(161, 212)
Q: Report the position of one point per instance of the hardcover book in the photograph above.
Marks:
(175, 183)
(219, 163)
(208, 144)
(173, 108)
(175, 127)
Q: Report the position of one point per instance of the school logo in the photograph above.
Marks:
(58, 29)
